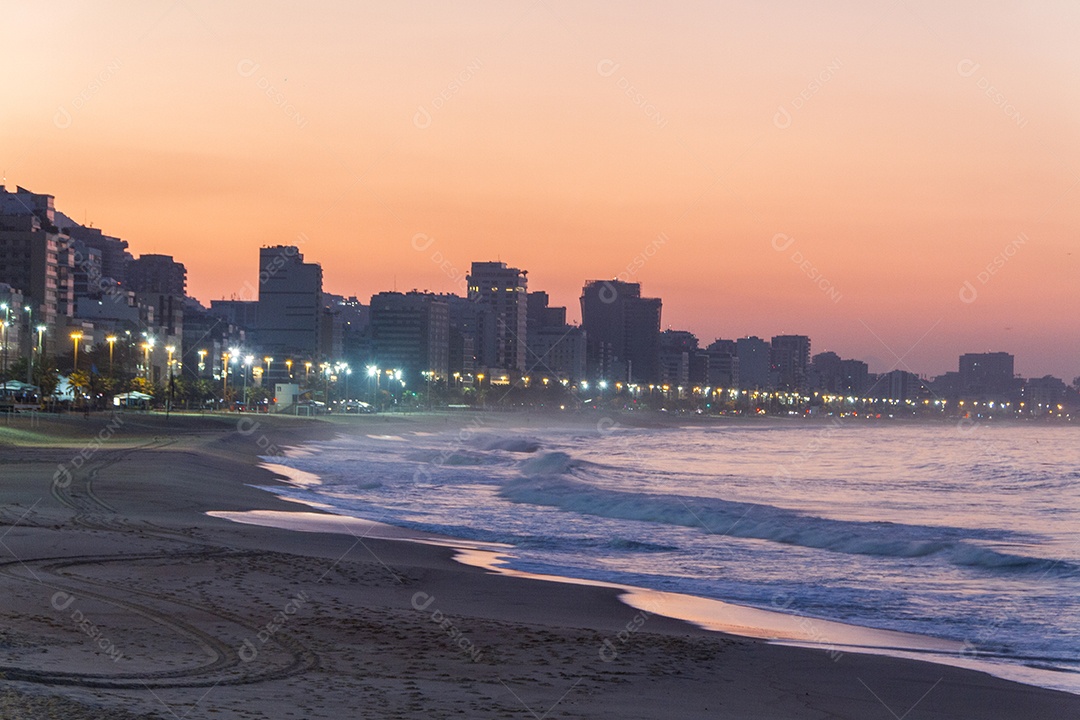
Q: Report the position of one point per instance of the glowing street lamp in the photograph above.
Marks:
(225, 373)
(111, 339)
(40, 332)
(202, 360)
(29, 310)
(172, 386)
(373, 371)
(147, 347)
(76, 336)
(307, 370)
(3, 331)
(268, 360)
(288, 364)
(247, 364)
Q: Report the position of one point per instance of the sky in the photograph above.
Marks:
(898, 180)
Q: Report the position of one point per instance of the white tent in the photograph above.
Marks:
(14, 386)
(131, 398)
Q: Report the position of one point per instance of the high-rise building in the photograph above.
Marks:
(411, 332)
(113, 251)
(157, 274)
(503, 290)
(31, 246)
(790, 358)
(87, 278)
(290, 302)
(207, 336)
(755, 368)
(241, 313)
(899, 385)
(15, 333)
(468, 320)
(825, 372)
(161, 283)
(622, 331)
(723, 364)
(854, 378)
(987, 374)
(677, 347)
(556, 350)
(1043, 396)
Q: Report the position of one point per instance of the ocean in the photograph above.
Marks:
(964, 531)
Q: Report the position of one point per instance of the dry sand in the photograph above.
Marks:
(121, 598)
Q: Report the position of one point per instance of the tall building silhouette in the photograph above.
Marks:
(556, 349)
(410, 332)
(503, 290)
(790, 357)
(36, 261)
(290, 302)
(622, 331)
(755, 365)
(987, 374)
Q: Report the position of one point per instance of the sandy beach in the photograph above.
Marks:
(122, 598)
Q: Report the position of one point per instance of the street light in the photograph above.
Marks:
(172, 386)
(40, 331)
(268, 360)
(307, 371)
(373, 371)
(247, 364)
(147, 347)
(111, 339)
(202, 361)
(29, 310)
(288, 364)
(225, 375)
(76, 336)
(3, 331)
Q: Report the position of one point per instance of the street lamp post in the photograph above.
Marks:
(76, 336)
(147, 347)
(202, 361)
(225, 376)
(373, 371)
(288, 364)
(29, 327)
(268, 360)
(111, 339)
(326, 369)
(3, 331)
(247, 365)
(307, 371)
(172, 384)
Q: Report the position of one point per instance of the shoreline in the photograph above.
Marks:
(178, 592)
(833, 637)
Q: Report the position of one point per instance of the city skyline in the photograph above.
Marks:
(893, 181)
(292, 324)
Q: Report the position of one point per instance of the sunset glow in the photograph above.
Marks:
(896, 180)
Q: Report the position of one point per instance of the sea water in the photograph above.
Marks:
(966, 531)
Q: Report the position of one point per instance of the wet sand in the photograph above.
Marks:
(123, 598)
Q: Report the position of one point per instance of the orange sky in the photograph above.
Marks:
(899, 147)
